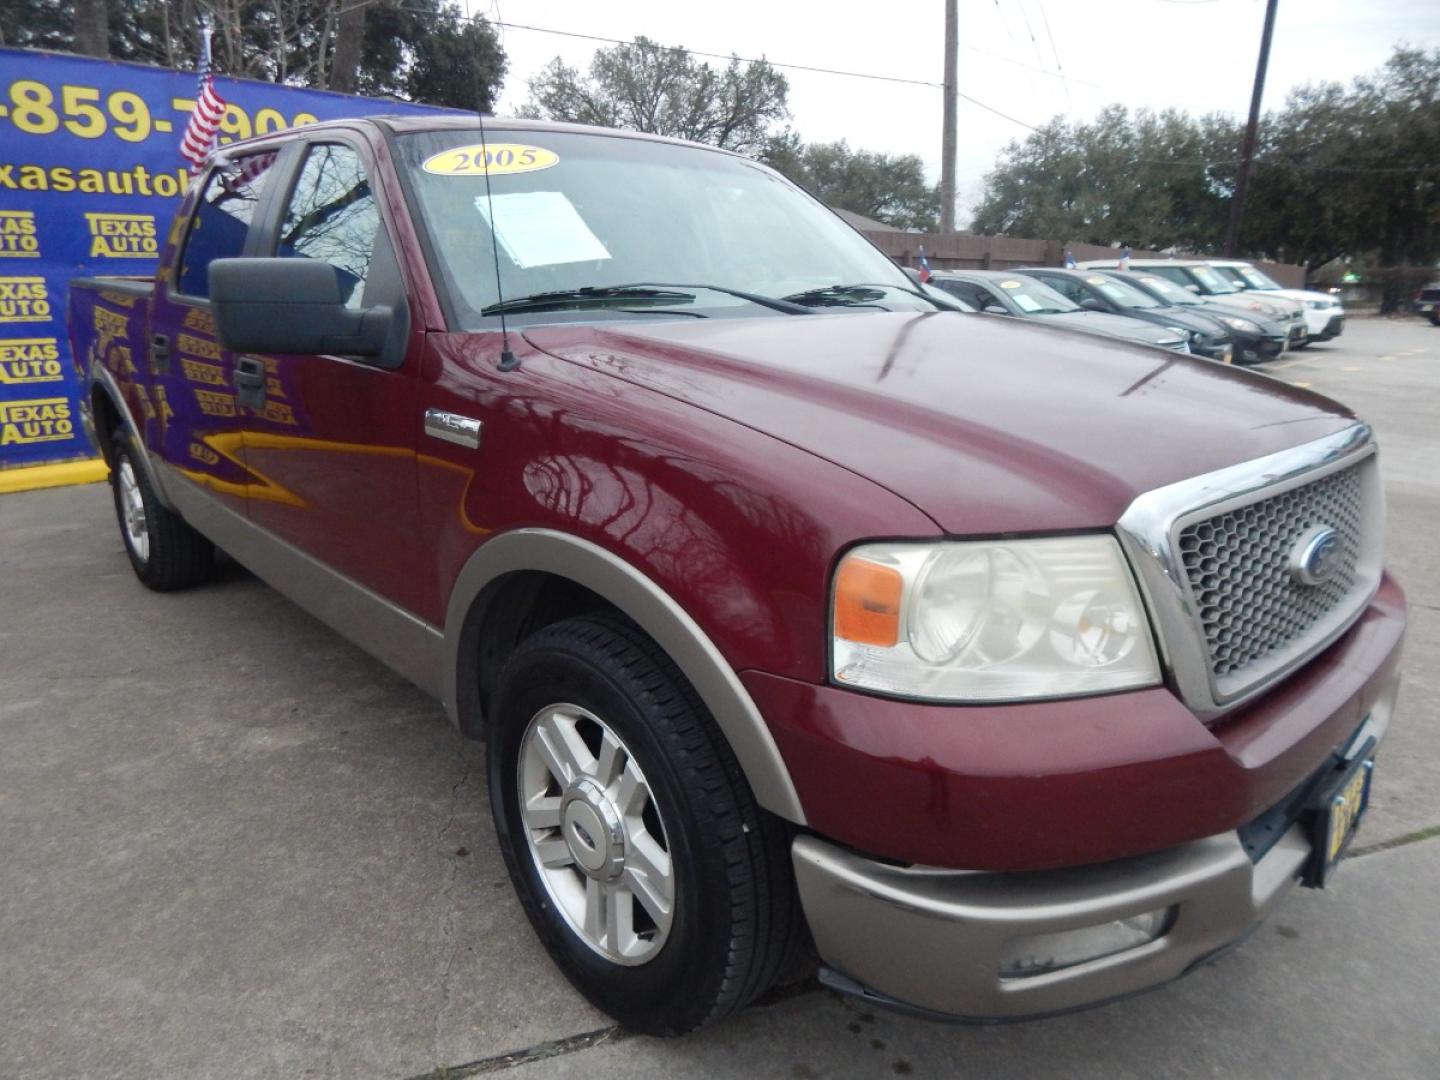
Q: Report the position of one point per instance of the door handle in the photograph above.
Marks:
(159, 354)
(250, 382)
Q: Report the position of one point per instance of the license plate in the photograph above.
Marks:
(1338, 813)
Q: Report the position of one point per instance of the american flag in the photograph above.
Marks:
(925, 274)
(200, 132)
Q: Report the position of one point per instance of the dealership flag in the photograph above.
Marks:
(200, 132)
(924, 265)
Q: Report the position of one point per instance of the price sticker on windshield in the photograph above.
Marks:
(498, 159)
(1011, 284)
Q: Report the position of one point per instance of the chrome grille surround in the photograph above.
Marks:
(1271, 626)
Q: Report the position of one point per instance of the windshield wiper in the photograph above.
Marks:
(644, 292)
(841, 296)
(590, 294)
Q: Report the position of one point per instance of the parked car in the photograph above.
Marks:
(1324, 314)
(1198, 277)
(1427, 302)
(1027, 671)
(1094, 290)
(1256, 337)
(1011, 293)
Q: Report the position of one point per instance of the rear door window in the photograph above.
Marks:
(222, 219)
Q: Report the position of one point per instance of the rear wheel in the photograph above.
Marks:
(165, 553)
(638, 852)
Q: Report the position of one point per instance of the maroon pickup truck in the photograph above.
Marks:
(1018, 670)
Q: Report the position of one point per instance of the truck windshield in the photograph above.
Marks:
(572, 211)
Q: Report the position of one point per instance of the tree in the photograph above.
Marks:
(420, 50)
(888, 187)
(1338, 171)
(1140, 178)
(645, 86)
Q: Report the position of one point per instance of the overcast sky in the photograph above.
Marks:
(1197, 55)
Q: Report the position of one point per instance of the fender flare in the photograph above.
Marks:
(655, 612)
(101, 377)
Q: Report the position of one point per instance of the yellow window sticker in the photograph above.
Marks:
(502, 158)
(1095, 281)
(1012, 284)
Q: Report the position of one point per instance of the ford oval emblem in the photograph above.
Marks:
(1316, 556)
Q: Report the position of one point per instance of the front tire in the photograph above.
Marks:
(634, 843)
(166, 553)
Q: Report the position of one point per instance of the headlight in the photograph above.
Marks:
(1321, 305)
(990, 620)
(1245, 326)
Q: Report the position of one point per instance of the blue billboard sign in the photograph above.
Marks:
(90, 175)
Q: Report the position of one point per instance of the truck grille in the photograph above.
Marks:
(1248, 604)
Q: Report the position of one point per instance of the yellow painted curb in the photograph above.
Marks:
(44, 476)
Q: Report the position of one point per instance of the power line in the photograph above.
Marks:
(720, 56)
(1056, 52)
(732, 56)
(773, 63)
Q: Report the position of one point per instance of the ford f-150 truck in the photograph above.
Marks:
(1018, 670)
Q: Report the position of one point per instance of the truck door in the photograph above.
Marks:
(331, 439)
(191, 377)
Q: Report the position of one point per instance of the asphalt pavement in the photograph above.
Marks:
(232, 845)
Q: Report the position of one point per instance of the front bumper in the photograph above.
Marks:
(1253, 348)
(1324, 323)
(931, 941)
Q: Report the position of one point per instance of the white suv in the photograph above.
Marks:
(1324, 317)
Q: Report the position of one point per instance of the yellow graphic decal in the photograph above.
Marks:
(24, 299)
(30, 360)
(201, 372)
(189, 343)
(35, 421)
(501, 158)
(17, 235)
(213, 404)
(200, 319)
(122, 236)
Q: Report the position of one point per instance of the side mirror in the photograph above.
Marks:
(994, 309)
(276, 305)
(1089, 303)
(1193, 288)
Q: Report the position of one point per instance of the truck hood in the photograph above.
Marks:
(987, 425)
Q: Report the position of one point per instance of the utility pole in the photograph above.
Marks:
(947, 140)
(1247, 152)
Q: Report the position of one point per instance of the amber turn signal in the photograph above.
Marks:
(867, 603)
